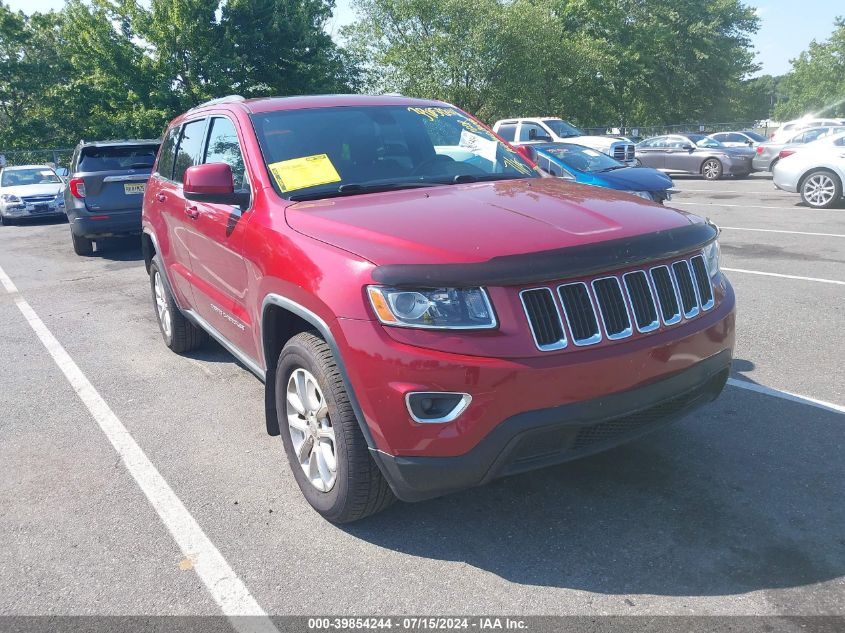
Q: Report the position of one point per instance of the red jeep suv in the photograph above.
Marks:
(426, 310)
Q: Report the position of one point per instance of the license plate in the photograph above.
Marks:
(134, 188)
(40, 208)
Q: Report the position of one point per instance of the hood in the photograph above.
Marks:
(635, 179)
(33, 190)
(476, 222)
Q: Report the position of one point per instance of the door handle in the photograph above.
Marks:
(192, 212)
(161, 197)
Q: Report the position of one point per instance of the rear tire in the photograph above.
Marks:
(82, 245)
(711, 169)
(821, 189)
(179, 334)
(325, 429)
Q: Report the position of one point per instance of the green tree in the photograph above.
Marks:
(605, 61)
(816, 83)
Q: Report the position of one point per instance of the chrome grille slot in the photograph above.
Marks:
(642, 301)
(686, 289)
(614, 312)
(578, 309)
(39, 198)
(702, 282)
(666, 297)
(544, 318)
(619, 152)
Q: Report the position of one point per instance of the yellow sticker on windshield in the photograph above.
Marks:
(308, 171)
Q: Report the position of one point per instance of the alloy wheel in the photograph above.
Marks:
(711, 169)
(162, 307)
(819, 190)
(311, 430)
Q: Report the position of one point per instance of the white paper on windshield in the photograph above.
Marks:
(591, 152)
(478, 145)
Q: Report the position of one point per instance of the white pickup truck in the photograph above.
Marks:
(556, 130)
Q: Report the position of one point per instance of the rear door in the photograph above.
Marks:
(115, 176)
(216, 245)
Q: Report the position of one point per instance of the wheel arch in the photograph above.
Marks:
(148, 249)
(281, 319)
(811, 170)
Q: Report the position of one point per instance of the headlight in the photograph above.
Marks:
(10, 199)
(645, 195)
(712, 254)
(433, 308)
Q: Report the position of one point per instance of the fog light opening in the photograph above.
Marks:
(436, 407)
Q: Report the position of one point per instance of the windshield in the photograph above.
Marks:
(563, 129)
(581, 158)
(704, 141)
(351, 150)
(104, 158)
(34, 176)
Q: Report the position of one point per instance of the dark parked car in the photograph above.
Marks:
(695, 154)
(106, 188)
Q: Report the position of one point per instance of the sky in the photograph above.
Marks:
(786, 26)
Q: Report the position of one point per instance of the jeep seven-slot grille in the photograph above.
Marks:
(614, 305)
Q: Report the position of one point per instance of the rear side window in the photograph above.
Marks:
(117, 157)
(507, 131)
(190, 148)
(167, 154)
(223, 147)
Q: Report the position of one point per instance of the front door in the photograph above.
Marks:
(217, 236)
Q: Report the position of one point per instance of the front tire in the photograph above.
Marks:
(179, 334)
(711, 169)
(82, 245)
(326, 450)
(821, 189)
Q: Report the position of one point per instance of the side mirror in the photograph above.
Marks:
(689, 148)
(212, 183)
(535, 135)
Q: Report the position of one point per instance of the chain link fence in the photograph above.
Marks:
(59, 157)
(645, 131)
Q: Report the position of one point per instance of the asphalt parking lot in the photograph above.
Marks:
(737, 509)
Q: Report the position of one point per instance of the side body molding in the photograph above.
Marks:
(323, 328)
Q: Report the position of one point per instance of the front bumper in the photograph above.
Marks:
(384, 364)
(740, 168)
(27, 211)
(536, 439)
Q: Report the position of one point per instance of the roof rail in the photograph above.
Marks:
(226, 99)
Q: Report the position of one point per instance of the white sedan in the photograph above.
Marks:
(817, 173)
(29, 191)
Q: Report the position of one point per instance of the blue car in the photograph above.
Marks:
(591, 167)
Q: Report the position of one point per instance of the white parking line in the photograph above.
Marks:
(758, 272)
(786, 395)
(742, 228)
(226, 589)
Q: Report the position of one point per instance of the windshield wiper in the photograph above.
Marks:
(611, 168)
(463, 178)
(354, 188)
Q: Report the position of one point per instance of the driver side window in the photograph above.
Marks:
(223, 147)
(528, 131)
